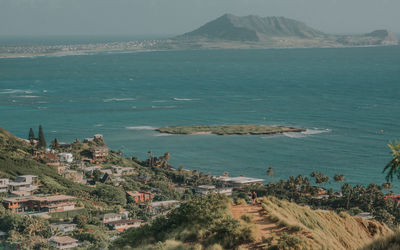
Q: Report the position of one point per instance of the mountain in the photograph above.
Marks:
(230, 31)
(252, 28)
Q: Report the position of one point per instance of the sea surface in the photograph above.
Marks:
(348, 99)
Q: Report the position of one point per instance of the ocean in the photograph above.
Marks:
(346, 98)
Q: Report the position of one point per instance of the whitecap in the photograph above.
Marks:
(163, 134)
(99, 125)
(184, 99)
(44, 91)
(27, 96)
(141, 128)
(160, 101)
(315, 131)
(118, 99)
(294, 135)
(12, 91)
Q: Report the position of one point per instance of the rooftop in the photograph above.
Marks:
(240, 179)
(163, 203)
(123, 222)
(111, 215)
(52, 198)
(206, 186)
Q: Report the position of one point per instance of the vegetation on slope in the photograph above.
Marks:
(390, 242)
(228, 129)
(204, 221)
(320, 229)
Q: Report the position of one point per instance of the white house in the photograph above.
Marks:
(66, 157)
(63, 228)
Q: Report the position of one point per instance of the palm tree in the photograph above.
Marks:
(150, 158)
(339, 178)
(393, 165)
(164, 160)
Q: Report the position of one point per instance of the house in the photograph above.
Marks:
(239, 181)
(62, 227)
(66, 157)
(111, 217)
(3, 235)
(393, 197)
(4, 185)
(51, 159)
(207, 189)
(99, 153)
(121, 225)
(17, 204)
(98, 137)
(118, 171)
(51, 203)
(23, 185)
(161, 206)
(140, 196)
(63, 242)
(91, 169)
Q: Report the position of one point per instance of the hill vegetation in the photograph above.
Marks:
(229, 129)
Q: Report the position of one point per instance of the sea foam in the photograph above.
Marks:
(118, 99)
(141, 128)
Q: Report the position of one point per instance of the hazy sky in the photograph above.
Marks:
(144, 17)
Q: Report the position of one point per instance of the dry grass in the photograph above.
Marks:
(317, 229)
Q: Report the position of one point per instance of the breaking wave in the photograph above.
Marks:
(141, 128)
(118, 99)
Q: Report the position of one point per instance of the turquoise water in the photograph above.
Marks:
(344, 97)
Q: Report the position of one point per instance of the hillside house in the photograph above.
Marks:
(119, 171)
(51, 159)
(208, 189)
(99, 153)
(23, 185)
(111, 217)
(98, 137)
(239, 181)
(121, 225)
(140, 196)
(66, 157)
(62, 228)
(159, 207)
(63, 242)
(4, 185)
(51, 203)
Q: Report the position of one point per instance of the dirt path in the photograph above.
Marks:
(265, 227)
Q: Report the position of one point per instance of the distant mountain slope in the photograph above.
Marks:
(230, 31)
(252, 28)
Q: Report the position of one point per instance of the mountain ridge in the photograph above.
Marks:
(276, 32)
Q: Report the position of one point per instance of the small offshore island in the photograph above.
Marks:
(228, 129)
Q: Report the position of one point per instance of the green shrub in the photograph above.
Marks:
(247, 217)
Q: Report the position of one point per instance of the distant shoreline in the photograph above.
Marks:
(76, 51)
